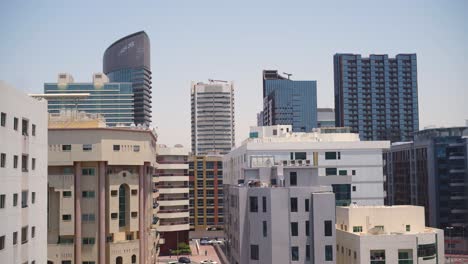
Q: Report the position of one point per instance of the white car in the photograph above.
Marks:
(208, 262)
(213, 241)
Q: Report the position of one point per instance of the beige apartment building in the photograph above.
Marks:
(100, 188)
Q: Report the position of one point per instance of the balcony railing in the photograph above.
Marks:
(174, 211)
(175, 223)
(172, 199)
(172, 186)
(171, 174)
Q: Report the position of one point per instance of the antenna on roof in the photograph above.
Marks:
(288, 74)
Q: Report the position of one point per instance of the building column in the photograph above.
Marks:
(77, 212)
(141, 209)
(102, 212)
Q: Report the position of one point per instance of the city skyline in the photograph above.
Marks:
(41, 48)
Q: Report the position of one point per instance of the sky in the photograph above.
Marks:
(236, 40)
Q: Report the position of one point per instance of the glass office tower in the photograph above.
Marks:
(128, 60)
(377, 96)
(288, 102)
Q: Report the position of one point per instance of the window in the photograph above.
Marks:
(2, 201)
(33, 197)
(24, 163)
(134, 214)
(66, 217)
(330, 155)
(136, 148)
(294, 229)
(294, 204)
(265, 229)
(116, 147)
(353, 172)
(88, 217)
(408, 228)
(330, 171)
(122, 205)
(15, 199)
(88, 171)
(254, 252)
(87, 147)
(294, 253)
(354, 188)
(88, 194)
(15, 238)
(15, 161)
(66, 262)
(306, 205)
(24, 127)
(24, 234)
(427, 251)
(377, 256)
(114, 215)
(67, 194)
(118, 260)
(307, 228)
(307, 252)
(328, 253)
(33, 129)
(3, 160)
(2, 242)
(15, 123)
(33, 232)
(3, 120)
(134, 259)
(357, 229)
(114, 193)
(328, 227)
(339, 155)
(65, 240)
(379, 227)
(343, 172)
(264, 204)
(275, 132)
(300, 155)
(24, 199)
(253, 204)
(88, 241)
(67, 170)
(88, 262)
(293, 178)
(66, 148)
(405, 256)
(33, 164)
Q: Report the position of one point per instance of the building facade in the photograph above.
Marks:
(206, 192)
(23, 172)
(333, 151)
(114, 101)
(288, 102)
(128, 60)
(281, 214)
(100, 195)
(431, 171)
(377, 96)
(325, 117)
(173, 200)
(386, 234)
(213, 126)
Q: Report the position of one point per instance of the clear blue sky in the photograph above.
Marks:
(236, 40)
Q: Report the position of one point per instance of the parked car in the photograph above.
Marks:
(204, 242)
(212, 241)
(184, 260)
(173, 262)
(208, 262)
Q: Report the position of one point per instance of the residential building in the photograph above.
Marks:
(100, 193)
(432, 171)
(128, 60)
(325, 117)
(281, 214)
(288, 102)
(332, 151)
(112, 100)
(386, 234)
(213, 127)
(377, 96)
(23, 174)
(206, 192)
(173, 201)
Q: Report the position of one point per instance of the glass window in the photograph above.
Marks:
(3, 160)
(24, 127)
(300, 155)
(122, 205)
(294, 229)
(293, 204)
(408, 228)
(2, 200)
(328, 253)
(116, 147)
(265, 228)
(66, 148)
(264, 204)
(343, 172)
(307, 228)
(254, 254)
(294, 253)
(66, 217)
(67, 194)
(3, 119)
(33, 197)
(307, 252)
(24, 199)
(330, 155)
(427, 251)
(15, 199)
(15, 161)
(87, 147)
(24, 234)
(33, 130)
(306, 205)
(357, 229)
(88, 171)
(328, 228)
(15, 238)
(377, 256)
(330, 171)
(136, 148)
(293, 178)
(88, 194)
(24, 163)
(15, 123)
(253, 204)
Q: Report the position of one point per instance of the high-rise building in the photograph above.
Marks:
(386, 234)
(114, 101)
(206, 192)
(333, 151)
(288, 102)
(101, 204)
(325, 117)
(213, 126)
(377, 96)
(128, 60)
(432, 171)
(173, 200)
(23, 174)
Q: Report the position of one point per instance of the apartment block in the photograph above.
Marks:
(386, 234)
(173, 200)
(23, 174)
(206, 192)
(331, 151)
(432, 171)
(212, 107)
(377, 96)
(101, 201)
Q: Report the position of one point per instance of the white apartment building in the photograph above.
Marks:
(213, 127)
(23, 175)
(173, 200)
(332, 151)
(386, 234)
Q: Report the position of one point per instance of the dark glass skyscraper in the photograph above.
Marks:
(377, 96)
(288, 102)
(128, 60)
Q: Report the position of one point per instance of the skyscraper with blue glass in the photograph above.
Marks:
(114, 101)
(128, 60)
(288, 102)
(377, 96)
